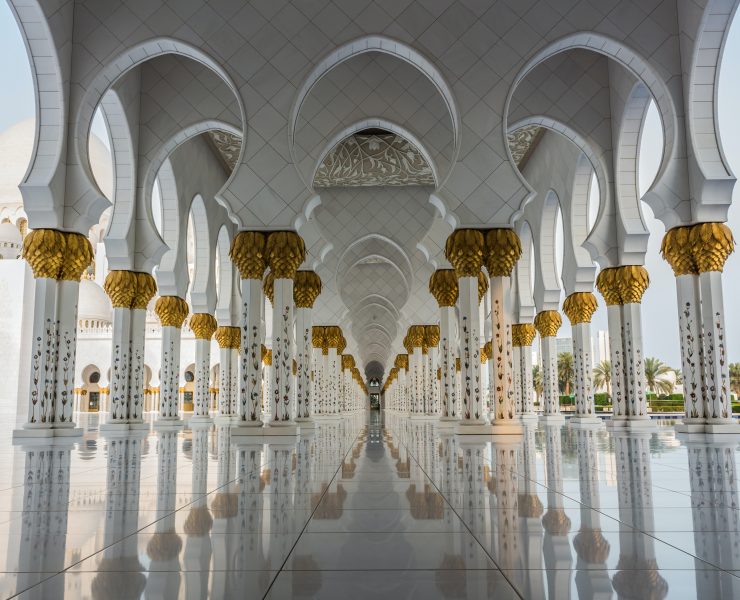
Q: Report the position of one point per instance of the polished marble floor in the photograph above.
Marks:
(371, 506)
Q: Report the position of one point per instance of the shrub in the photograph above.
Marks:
(602, 399)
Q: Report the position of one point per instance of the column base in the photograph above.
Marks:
(45, 432)
(306, 423)
(557, 418)
(198, 419)
(639, 424)
(289, 429)
(709, 428)
(529, 417)
(247, 431)
(175, 423)
(586, 422)
(507, 427)
(226, 419)
(690, 426)
(616, 423)
(122, 427)
(474, 428)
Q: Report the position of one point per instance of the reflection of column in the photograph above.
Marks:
(229, 340)
(172, 312)
(203, 326)
(248, 255)
(592, 549)
(622, 289)
(530, 510)
(523, 335)
(579, 308)
(716, 522)
(165, 544)
(558, 559)
(464, 250)
(224, 509)
(638, 574)
(285, 252)
(42, 545)
(307, 288)
(197, 528)
(443, 286)
(267, 381)
(507, 555)
(547, 324)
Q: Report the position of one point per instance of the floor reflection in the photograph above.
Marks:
(371, 506)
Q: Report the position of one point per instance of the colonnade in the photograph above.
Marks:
(696, 254)
(257, 395)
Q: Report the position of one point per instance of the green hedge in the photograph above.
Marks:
(567, 400)
(602, 399)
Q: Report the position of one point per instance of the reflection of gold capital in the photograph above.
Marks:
(146, 287)
(120, 287)
(522, 334)
(503, 249)
(267, 357)
(248, 254)
(203, 325)
(464, 250)
(199, 521)
(591, 545)
(78, 255)
(711, 244)
(548, 322)
(556, 522)
(228, 337)
(43, 250)
(579, 307)
(171, 311)
(530, 506)
(285, 253)
(306, 288)
(443, 286)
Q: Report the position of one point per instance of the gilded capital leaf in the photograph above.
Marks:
(416, 336)
(522, 334)
(306, 288)
(203, 325)
(632, 281)
(78, 254)
(482, 285)
(503, 249)
(267, 357)
(464, 250)
(121, 288)
(268, 287)
(146, 287)
(247, 252)
(342, 344)
(229, 337)
(606, 283)
(171, 311)
(317, 336)
(333, 336)
(43, 250)
(431, 336)
(579, 307)
(443, 286)
(548, 322)
(285, 253)
(711, 244)
(348, 362)
(677, 251)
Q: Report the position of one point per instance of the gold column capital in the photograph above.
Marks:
(458, 367)
(285, 253)
(464, 250)
(711, 244)
(306, 288)
(78, 254)
(579, 307)
(268, 287)
(431, 336)
(623, 285)
(229, 337)
(503, 249)
(332, 336)
(522, 334)
(484, 356)
(443, 286)
(44, 250)
(317, 336)
(482, 285)
(677, 251)
(120, 287)
(146, 287)
(548, 322)
(348, 362)
(402, 361)
(267, 357)
(247, 252)
(203, 325)
(171, 311)
(416, 336)
(342, 344)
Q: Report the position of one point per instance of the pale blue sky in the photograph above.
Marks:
(659, 304)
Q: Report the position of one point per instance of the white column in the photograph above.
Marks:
(224, 383)
(68, 295)
(136, 368)
(634, 362)
(304, 354)
(551, 399)
(527, 384)
(504, 412)
(282, 344)
(333, 382)
(448, 390)
(718, 408)
(402, 392)
(690, 334)
(201, 395)
(169, 389)
(42, 387)
(616, 356)
(517, 381)
(250, 353)
(416, 372)
(120, 363)
(472, 402)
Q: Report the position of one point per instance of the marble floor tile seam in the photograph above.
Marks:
(313, 512)
(465, 525)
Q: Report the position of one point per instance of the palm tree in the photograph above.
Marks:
(603, 376)
(565, 372)
(537, 382)
(735, 378)
(658, 376)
